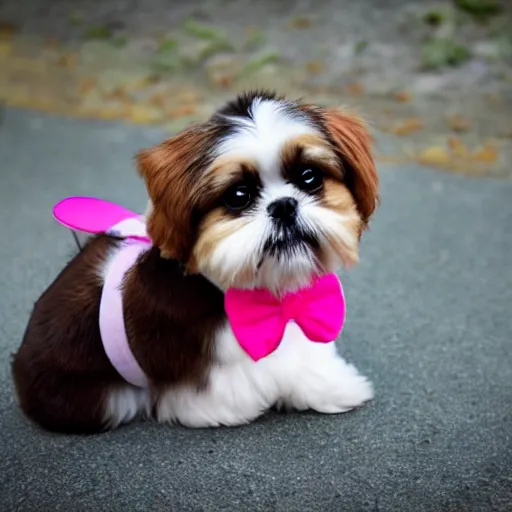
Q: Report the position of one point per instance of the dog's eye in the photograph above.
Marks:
(311, 179)
(238, 198)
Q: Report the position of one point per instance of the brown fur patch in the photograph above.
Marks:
(337, 197)
(215, 227)
(171, 319)
(225, 170)
(172, 172)
(311, 148)
(353, 142)
(61, 372)
(183, 183)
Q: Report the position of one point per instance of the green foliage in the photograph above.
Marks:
(167, 46)
(255, 39)
(119, 41)
(361, 46)
(437, 53)
(259, 62)
(98, 32)
(203, 31)
(481, 10)
(434, 17)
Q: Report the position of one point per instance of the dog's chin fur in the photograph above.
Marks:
(278, 274)
(173, 297)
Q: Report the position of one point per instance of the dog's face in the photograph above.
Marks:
(267, 193)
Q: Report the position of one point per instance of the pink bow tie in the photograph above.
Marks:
(258, 319)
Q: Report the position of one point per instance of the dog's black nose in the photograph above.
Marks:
(284, 209)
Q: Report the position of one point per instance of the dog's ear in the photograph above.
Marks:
(353, 143)
(170, 171)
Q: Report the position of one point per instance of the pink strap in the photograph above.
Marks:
(112, 328)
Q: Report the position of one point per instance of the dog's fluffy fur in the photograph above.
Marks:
(267, 193)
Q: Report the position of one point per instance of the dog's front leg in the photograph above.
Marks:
(316, 377)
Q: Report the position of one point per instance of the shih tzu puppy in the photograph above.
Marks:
(267, 194)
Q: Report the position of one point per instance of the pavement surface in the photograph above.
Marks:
(429, 321)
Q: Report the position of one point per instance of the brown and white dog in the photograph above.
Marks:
(267, 193)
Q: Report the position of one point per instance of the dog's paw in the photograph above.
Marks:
(343, 394)
(332, 388)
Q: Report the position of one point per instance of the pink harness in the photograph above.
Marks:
(112, 329)
(258, 319)
(92, 215)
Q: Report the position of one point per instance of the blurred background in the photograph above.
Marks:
(435, 77)
(85, 84)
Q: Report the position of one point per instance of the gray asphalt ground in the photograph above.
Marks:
(429, 320)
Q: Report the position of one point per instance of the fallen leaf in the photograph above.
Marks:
(184, 111)
(145, 82)
(457, 157)
(300, 22)
(390, 159)
(189, 96)
(457, 147)
(494, 99)
(27, 65)
(8, 30)
(119, 94)
(26, 99)
(402, 96)
(458, 123)
(69, 60)
(5, 48)
(86, 86)
(355, 88)
(223, 80)
(110, 113)
(52, 42)
(315, 67)
(435, 155)
(406, 126)
(486, 154)
(142, 114)
(158, 99)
